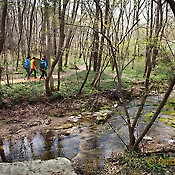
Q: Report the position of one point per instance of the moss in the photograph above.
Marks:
(121, 112)
(148, 116)
(132, 163)
(169, 121)
(171, 113)
(65, 126)
(105, 107)
(169, 108)
(170, 103)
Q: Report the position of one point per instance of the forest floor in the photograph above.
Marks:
(26, 119)
(23, 119)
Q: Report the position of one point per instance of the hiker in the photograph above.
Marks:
(33, 67)
(43, 67)
(27, 67)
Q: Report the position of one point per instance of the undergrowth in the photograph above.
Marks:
(133, 163)
(35, 91)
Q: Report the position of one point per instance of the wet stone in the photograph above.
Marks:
(60, 165)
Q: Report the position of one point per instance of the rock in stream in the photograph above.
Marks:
(61, 166)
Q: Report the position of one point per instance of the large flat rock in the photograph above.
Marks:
(59, 166)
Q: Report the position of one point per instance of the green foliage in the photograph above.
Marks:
(136, 72)
(133, 163)
(161, 73)
(148, 116)
(71, 85)
(34, 91)
(169, 121)
(30, 92)
(170, 103)
(169, 110)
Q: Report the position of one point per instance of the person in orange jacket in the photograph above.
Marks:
(33, 66)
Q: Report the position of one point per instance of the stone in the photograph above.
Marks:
(147, 138)
(60, 165)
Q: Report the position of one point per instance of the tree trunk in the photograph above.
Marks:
(71, 32)
(87, 74)
(31, 27)
(54, 30)
(170, 88)
(149, 38)
(172, 5)
(103, 30)
(3, 13)
(95, 49)
(157, 31)
(162, 104)
(60, 49)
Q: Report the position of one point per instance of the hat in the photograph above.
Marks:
(43, 58)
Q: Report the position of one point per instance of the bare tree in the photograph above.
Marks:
(172, 5)
(31, 27)
(62, 10)
(71, 32)
(20, 26)
(3, 13)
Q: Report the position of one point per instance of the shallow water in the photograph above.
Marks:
(88, 144)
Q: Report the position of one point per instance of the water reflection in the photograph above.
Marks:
(38, 145)
(28, 149)
(7, 153)
(87, 150)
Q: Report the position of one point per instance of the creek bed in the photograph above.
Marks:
(87, 143)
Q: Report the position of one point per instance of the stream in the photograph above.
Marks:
(87, 144)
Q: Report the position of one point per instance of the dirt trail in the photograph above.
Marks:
(63, 74)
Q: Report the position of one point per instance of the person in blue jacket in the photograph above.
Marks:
(43, 67)
(27, 67)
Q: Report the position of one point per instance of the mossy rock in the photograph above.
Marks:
(65, 126)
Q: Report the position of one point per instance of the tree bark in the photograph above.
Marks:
(71, 32)
(103, 30)
(3, 11)
(60, 50)
(156, 113)
(163, 102)
(31, 27)
(95, 49)
(172, 5)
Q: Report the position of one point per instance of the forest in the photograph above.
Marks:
(111, 73)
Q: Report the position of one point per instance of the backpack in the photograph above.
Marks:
(42, 65)
(27, 64)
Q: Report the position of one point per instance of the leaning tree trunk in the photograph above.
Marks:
(60, 49)
(155, 114)
(172, 5)
(163, 102)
